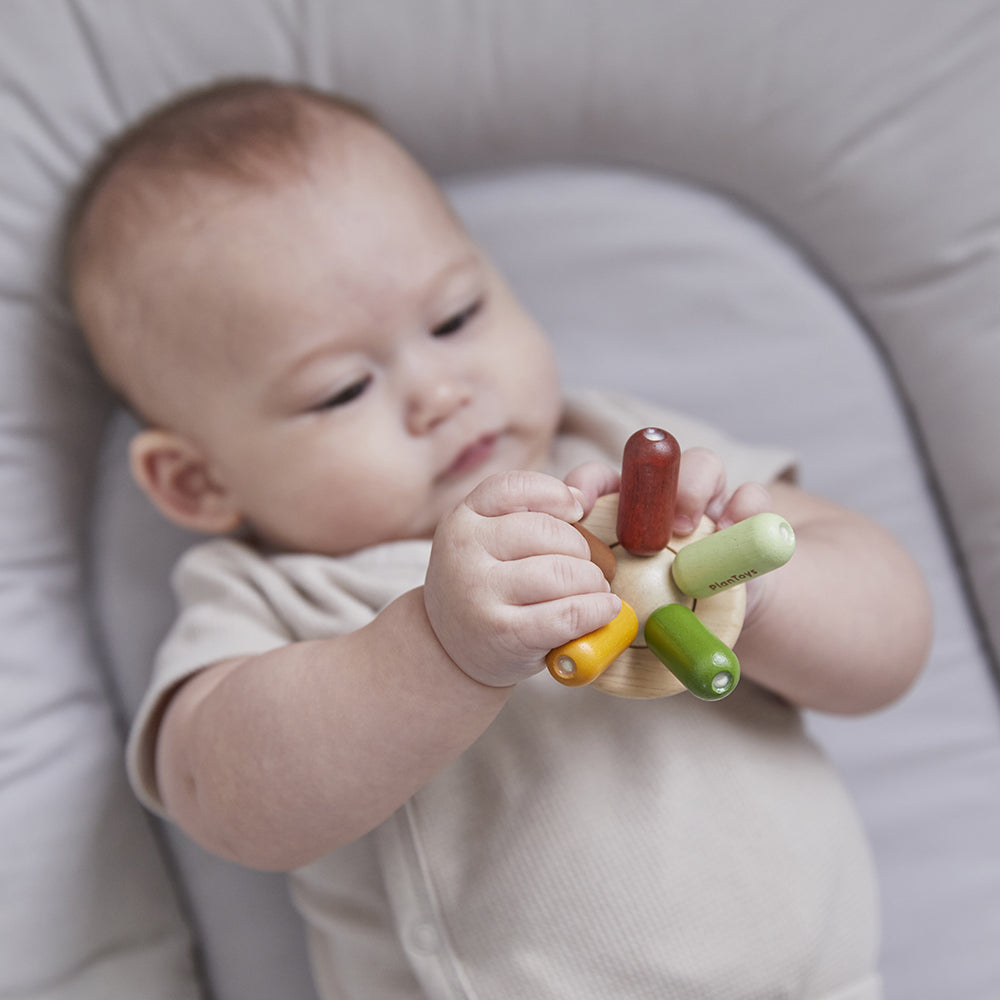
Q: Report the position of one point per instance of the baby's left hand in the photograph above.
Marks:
(701, 489)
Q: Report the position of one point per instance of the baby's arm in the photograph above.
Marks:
(845, 626)
(274, 760)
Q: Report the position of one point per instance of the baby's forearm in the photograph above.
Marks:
(845, 626)
(274, 760)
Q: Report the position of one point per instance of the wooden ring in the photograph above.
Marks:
(645, 583)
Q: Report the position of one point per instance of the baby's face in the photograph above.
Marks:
(354, 364)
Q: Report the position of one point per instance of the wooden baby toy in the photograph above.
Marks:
(683, 599)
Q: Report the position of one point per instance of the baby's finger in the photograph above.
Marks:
(593, 480)
(519, 490)
(700, 483)
(545, 626)
(748, 500)
(528, 533)
(540, 579)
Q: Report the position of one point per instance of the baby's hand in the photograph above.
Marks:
(701, 489)
(509, 578)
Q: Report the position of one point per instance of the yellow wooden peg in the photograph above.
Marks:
(584, 660)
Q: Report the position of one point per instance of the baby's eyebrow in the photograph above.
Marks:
(307, 358)
(282, 377)
(470, 263)
(294, 378)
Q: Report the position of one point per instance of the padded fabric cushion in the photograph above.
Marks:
(863, 132)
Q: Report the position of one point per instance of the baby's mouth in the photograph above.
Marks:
(472, 456)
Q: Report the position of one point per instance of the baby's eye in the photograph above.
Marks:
(347, 395)
(455, 323)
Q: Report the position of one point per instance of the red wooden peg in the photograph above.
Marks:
(650, 463)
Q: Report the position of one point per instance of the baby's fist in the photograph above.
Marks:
(510, 578)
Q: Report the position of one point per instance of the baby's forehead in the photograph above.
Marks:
(186, 204)
(149, 221)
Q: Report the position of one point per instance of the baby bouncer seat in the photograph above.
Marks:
(780, 216)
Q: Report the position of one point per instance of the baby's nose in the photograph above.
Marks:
(434, 402)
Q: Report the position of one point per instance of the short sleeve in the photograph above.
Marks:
(226, 609)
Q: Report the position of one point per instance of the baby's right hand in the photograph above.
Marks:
(509, 578)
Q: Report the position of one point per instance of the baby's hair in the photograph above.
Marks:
(248, 131)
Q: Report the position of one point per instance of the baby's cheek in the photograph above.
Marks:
(537, 400)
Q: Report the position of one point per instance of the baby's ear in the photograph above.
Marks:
(173, 472)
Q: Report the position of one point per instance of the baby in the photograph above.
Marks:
(337, 384)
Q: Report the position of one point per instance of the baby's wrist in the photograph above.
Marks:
(759, 593)
(454, 644)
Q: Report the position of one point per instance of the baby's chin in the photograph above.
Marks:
(333, 545)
